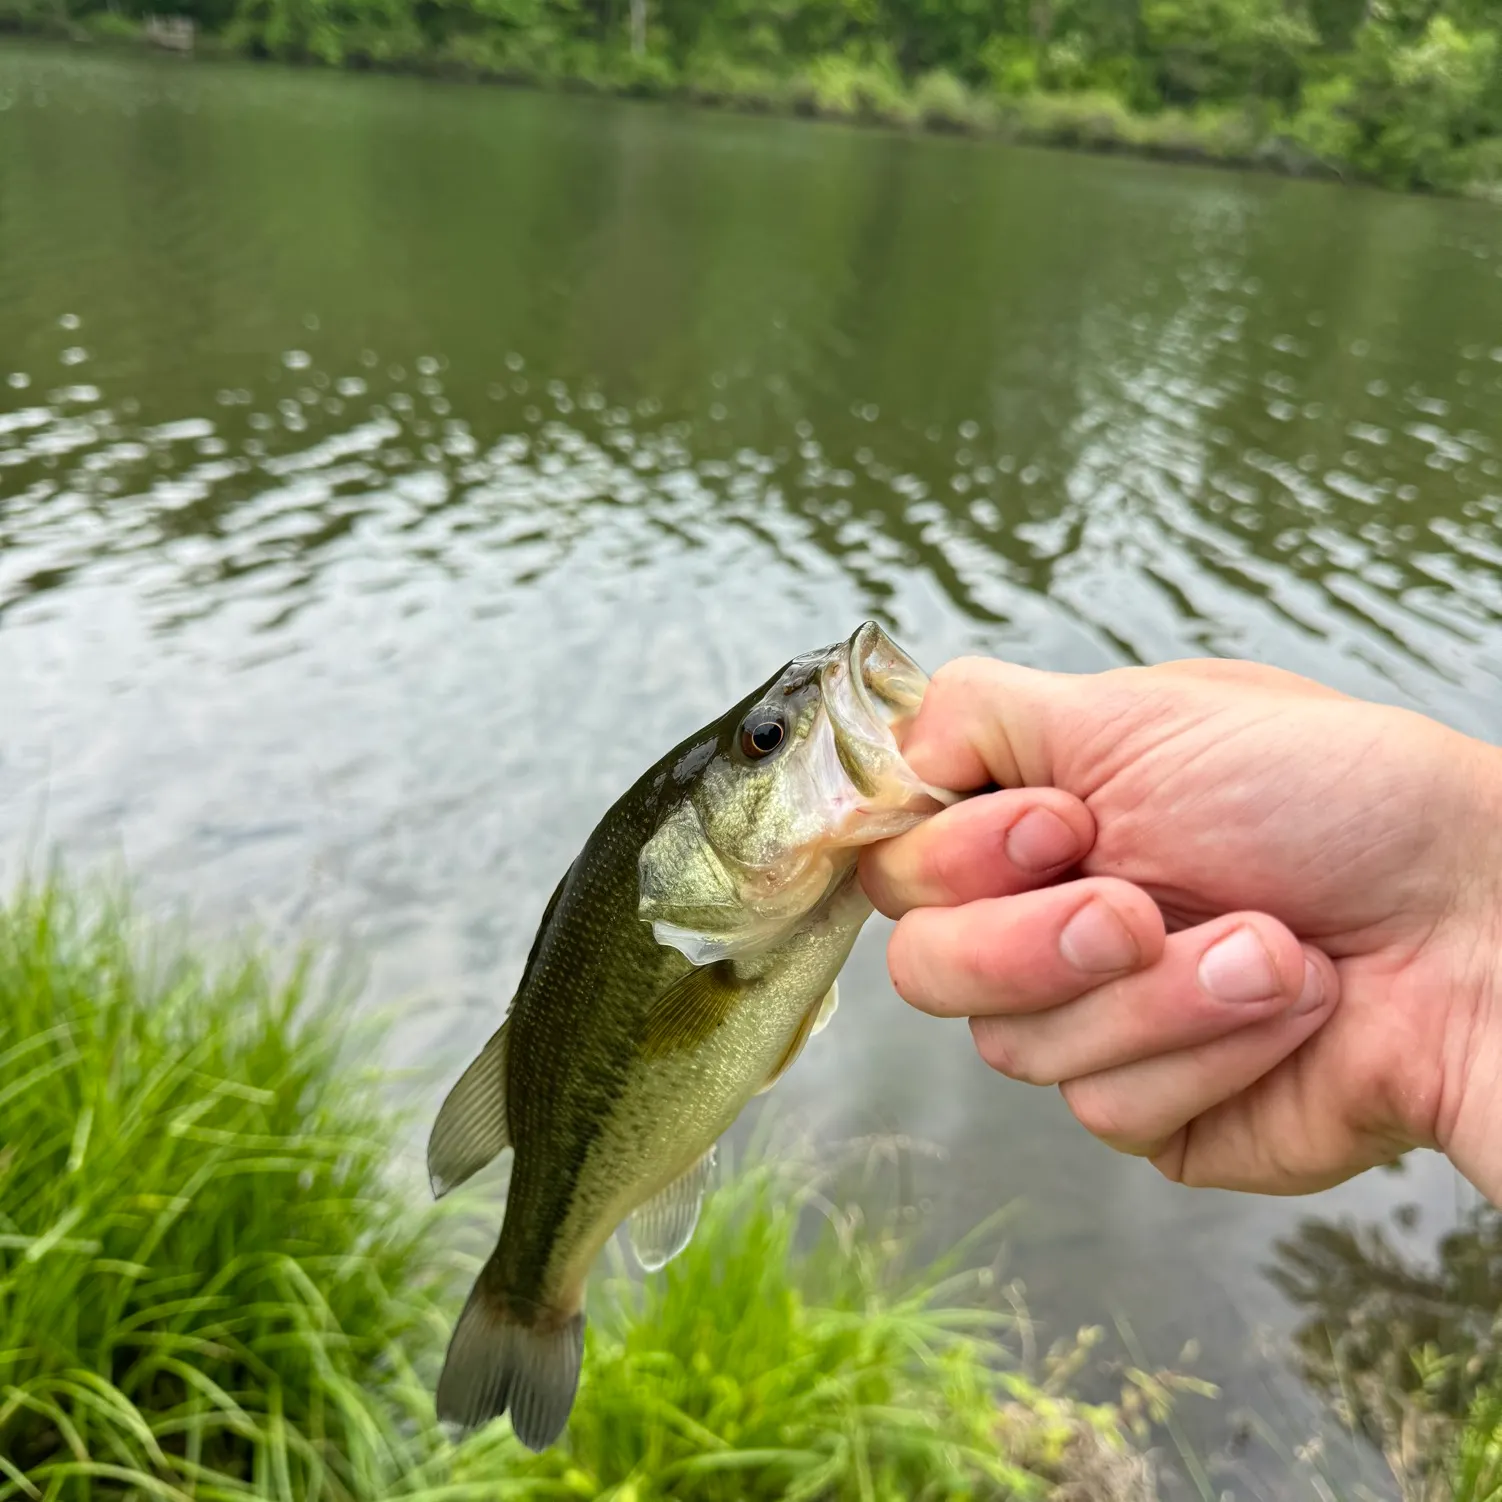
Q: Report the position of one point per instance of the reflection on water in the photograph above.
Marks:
(1401, 1344)
(389, 471)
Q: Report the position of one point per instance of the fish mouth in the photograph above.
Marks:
(847, 785)
(886, 683)
(872, 691)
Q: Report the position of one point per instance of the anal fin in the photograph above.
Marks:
(662, 1226)
(471, 1129)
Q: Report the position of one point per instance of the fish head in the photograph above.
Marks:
(777, 796)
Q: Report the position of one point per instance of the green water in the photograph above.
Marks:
(388, 471)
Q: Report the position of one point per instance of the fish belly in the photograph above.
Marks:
(673, 1108)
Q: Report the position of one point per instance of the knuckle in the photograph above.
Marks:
(1099, 1109)
(1223, 1155)
(992, 1044)
(999, 1046)
(1198, 1170)
(1172, 1160)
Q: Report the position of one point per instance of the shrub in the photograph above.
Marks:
(1324, 127)
(844, 88)
(111, 26)
(44, 16)
(1482, 168)
(1228, 133)
(385, 46)
(1095, 120)
(713, 78)
(647, 75)
(482, 54)
(1473, 1472)
(942, 102)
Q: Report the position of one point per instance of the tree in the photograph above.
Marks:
(1224, 49)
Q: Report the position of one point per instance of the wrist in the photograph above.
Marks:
(1471, 1124)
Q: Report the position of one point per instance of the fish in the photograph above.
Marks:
(679, 968)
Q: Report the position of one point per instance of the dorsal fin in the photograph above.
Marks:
(542, 926)
(472, 1126)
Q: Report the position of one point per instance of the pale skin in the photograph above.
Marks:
(1251, 928)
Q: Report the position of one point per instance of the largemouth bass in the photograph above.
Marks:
(682, 963)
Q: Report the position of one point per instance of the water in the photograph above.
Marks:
(388, 471)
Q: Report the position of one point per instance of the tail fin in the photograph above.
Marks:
(497, 1365)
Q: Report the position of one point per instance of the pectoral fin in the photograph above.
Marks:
(690, 1010)
(662, 1226)
(815, 1020)
(827, 1009)
(471, 1128)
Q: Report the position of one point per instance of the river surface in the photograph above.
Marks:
(389, 471)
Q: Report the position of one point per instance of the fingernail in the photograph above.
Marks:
(1096, 939)
(1040, 840)
(1313, 993)
(1239, 968)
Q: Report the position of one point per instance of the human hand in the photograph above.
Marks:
(1251, 927)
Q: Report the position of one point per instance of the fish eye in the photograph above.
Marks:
(763, 732)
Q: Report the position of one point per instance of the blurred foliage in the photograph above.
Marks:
(1407, 1350)
(1403, 92)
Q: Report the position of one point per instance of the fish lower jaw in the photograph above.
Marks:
(877, 819)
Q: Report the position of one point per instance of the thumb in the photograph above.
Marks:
(988, 722)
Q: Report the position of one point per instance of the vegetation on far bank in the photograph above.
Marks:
(1406, 93)
(222, 1278)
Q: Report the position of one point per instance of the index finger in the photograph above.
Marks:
(993, 845)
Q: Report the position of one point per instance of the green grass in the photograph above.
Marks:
(788, 1354)
(207, 1287)
(218, 1282)
(1474, 1473)
(1436, 1457)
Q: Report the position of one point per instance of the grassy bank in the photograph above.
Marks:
(220, 1279)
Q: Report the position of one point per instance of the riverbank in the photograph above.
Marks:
(219, 1275)
(1317, 137)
